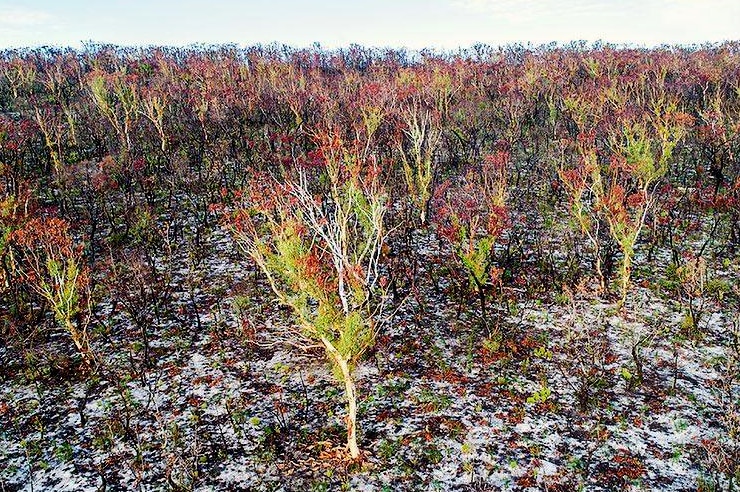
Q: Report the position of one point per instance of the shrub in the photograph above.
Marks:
(321, 255)
(423, 134)
(53, 268)
(642, 154)
(584, 186)
(472, 216)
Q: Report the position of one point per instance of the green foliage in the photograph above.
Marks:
(434, 401)
(316, 304)
(64, 452)
(99, 90)
(543, 353)
(492, 344)
(63, 289)
(476, 260)
(640, 155)
(53, 268)
(388, 449)
(540, 396)
(718, 287)
(321, 257)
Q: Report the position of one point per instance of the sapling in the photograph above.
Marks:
(472, 217)
(117, 98)
(321, 256)
(423, 134)
(154, 106)
(54, 268)
(622, 193)
(586, 352)
(54, 112)
(639, 337)
(643, 152)
(20, 75)
(584, 186)
(61, 86)
(692, 281)
(583, 181)
(53, 130)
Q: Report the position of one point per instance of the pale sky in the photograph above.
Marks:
(414, 24)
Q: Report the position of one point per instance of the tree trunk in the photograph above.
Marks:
(600, 273)
(482, 299)
(349, 390)
(638, 378)
(349, 393)
(423, 213)
(626, 273)
(79, 337)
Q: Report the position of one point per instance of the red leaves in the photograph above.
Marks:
(614, 202)
(586, 138)
(315, 268)
(466, 206)
(573, 179)
(682, 119)
(42, 242)
(45, 233)
(498, 220)
(16, 134)
(497, 161)
(314, 159)
(635, 200)
(138, 165)
(625, 467)
(371, 92)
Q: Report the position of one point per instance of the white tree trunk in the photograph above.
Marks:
(349, 393)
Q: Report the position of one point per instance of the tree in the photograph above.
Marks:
(642, 154)
(321, 255)
(423, 135)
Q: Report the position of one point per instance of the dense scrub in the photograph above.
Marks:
(216, 210)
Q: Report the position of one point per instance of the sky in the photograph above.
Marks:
(412, 24)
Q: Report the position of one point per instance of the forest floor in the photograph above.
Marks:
(543, 398)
